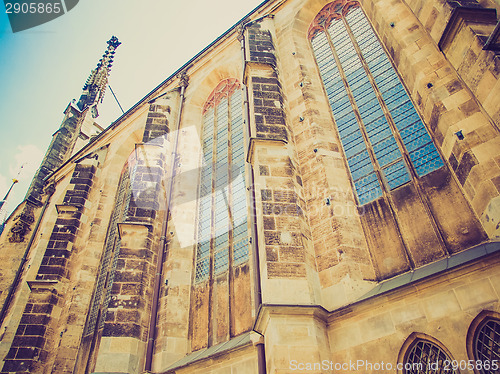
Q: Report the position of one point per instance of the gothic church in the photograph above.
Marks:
(317, 191)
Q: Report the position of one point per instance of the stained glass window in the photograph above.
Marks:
(222, 220)
(375, 118)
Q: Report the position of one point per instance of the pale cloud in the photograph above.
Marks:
(3, 186)
(3, 190)
(29, 158)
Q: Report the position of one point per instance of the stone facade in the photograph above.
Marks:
(224, 223)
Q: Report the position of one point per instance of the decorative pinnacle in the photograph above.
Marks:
(95, 86)
(113, 42)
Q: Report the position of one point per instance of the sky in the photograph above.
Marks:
(43, 68)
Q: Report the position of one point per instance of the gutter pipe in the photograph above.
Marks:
(163, 239)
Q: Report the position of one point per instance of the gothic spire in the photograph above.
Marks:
(95, 87)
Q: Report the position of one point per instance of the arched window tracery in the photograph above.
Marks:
(222, 221)
(422, 353)
(385, 143)
(483, 342)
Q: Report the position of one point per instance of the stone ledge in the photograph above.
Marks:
(458, 20)
(137, 227)
(65, 208)
(493, 42)
(47, 284)
(262, 141)
(252, 65)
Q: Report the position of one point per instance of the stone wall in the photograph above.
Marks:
(284, 238)
(35, 336)
(446, 102)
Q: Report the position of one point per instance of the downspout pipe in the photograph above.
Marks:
(261, 353)
(17, 278)
(163, 238)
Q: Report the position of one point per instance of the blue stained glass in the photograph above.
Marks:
(404, 107)
(359, 160)
(372, 115)
(202, 269)
(396, 175)
(369, 107)
(368, 193)
(349, 129)
(224, 121)
(387, 151)
(362, 171)
(425, 163)
(376, 126)
(412, 133)
(221, 261)
(352, 139)
(404, 118)
(340, 105)
(418, 142)
(396, 100)
(360, 85)
(369, 181)
(382, 132)
(240, 251)
(203, 249)
(392, 90)
(361, 168)
(430, 166)
(385, 77)
(365, 97)
(221, 240)
(346, 120)
(355, 149)
(422, 155)
(240, 231)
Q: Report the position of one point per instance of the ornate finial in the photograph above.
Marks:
(95, 87)
(184, 79)
(113, 42)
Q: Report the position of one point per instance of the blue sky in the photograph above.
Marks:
(43, 68)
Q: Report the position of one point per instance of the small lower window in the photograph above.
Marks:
(487, 346)
(426, 357)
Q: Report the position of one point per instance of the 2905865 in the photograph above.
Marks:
(470, 365)
(32, 8)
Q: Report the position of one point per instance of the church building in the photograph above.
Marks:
(317, 191)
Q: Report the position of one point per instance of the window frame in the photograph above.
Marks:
(222, 255)
(324, 51)
(409, 344)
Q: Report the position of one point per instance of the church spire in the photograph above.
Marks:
(95, 87)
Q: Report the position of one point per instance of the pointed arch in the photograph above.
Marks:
(419, 351)
(224, 89)
(222, 216)
(483, 340)
(384, 140)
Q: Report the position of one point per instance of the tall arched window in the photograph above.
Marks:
(222, 220)
(384, 140)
